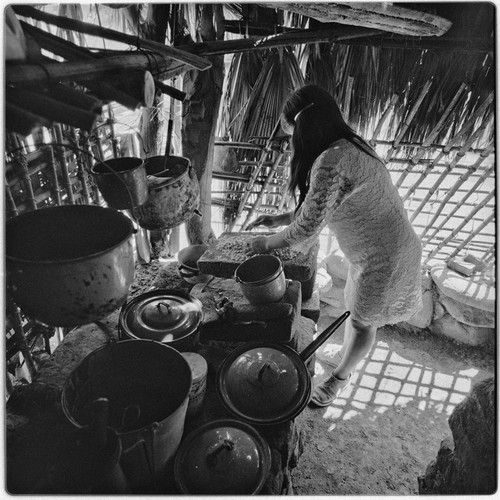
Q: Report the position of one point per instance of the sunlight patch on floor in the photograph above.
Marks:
(386, 380)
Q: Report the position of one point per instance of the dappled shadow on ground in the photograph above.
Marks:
(386, 427)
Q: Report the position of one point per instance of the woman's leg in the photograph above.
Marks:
(358, 340)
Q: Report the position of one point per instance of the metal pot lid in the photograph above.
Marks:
(264, 384)
(163, 315)
(222, 457)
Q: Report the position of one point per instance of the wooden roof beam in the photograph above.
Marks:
(374, 15)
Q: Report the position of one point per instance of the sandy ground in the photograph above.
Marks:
(387, 426)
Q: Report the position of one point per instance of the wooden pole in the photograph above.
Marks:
(56, 190)
(463, 224)
(473, 235)
(62, 162)
(455, 160)
(429, 226)
(95, 30)
(111, 69)
(407, 122)
(382, 120)
(297, 37)
(263, 156)
(21, 164)
(263, 189)
(21, 343)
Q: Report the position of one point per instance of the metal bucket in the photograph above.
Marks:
(147, 384)
(261, 279)
(122, 182)
(173, 193)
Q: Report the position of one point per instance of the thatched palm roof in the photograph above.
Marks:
(419, 99)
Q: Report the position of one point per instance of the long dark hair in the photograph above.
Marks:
(317, 123)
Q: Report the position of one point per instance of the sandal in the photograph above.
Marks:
(328, 390)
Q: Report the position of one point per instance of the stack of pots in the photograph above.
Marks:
(163, 191)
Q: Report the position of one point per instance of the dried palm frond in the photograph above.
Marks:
(279, 77)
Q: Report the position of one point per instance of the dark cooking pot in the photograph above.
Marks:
(69, 265)
(223, 457)
(168, 316)
(264, 383)
(188, 264)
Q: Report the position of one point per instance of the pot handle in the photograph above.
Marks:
(322, 338)
(187, 273)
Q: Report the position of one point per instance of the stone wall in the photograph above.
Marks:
(467, 465)
(455, 306)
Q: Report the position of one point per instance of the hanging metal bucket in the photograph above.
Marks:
(147, 384)
(122, 182)
(173, 193)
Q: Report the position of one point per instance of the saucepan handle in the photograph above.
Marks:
(323, 337)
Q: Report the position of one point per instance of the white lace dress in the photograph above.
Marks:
(352, 192)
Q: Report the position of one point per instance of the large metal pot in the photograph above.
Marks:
(169, 316)
(147, 385)
(261, 279)
(69, 265)
(173, 193)
(262, 383)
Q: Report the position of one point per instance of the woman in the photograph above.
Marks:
(342, 183)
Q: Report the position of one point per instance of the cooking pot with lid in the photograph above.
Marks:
(165, 315)
(223, 457)
(262, 383)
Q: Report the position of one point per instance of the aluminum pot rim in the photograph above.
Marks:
(124, 327)
(59, 262)
(262, 281)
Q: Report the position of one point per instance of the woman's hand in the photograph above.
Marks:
(264, 220)
(271, 221)
(260, 244)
